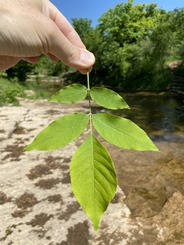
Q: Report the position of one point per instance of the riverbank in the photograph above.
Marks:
(36, 203)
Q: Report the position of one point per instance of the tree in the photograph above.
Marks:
(82, 26)
(47, 67)
(130, 51)
(132, 45)
(177, 25)
(128, 23)
(20, 71)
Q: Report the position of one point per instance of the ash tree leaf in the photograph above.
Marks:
(122, 132)
(108, 98)
(70, 94)
(93, 178)
(60, 132)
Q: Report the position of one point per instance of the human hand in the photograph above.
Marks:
(34, 27)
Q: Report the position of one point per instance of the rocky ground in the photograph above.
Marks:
(36, 203)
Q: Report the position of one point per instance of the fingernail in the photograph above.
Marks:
(87, 58)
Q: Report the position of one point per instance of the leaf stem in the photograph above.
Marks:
(88, 83)
(89, 102)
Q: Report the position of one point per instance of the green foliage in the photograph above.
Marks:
(135, 52)
(176, 18)
(20, 71)
(128, 23)
(47, 67)
(44, 67)
(9, 91)
(93, 176)
(108, 98)
(60, 132)
(70, 94)
(82, 27)
(133, 44)
(39, 89)
(122, 132)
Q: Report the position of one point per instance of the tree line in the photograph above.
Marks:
(133, 45)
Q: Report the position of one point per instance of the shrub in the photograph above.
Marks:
(9, 91)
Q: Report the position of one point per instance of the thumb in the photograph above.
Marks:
(70, 54)
(67, 45)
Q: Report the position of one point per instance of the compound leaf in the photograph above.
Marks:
(122, 132)
(108, 98)
(93, 178)
(60, 132)
(70, 94)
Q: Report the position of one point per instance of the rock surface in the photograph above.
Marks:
(37, 205)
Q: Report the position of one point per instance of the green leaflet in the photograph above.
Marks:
(60, 132)
(122, 132)
(70, 94)
(108, 98)
(93, 178)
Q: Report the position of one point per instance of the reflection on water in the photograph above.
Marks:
(160, 115)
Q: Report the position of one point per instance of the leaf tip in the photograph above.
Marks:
(155, 148)
(96, 226)
(127, 107)
(51, 99)
(151, 147)
(26, 148)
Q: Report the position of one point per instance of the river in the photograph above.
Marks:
(160, 115)
(153, 182)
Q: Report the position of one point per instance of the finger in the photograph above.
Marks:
(32, 60)
(7, 61)
(52, 57)
(85, 71)
(70, 54)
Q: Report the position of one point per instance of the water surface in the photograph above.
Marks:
(160, 115)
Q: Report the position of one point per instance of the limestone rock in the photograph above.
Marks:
(38, 207)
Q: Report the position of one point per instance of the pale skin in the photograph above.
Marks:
(29, 28)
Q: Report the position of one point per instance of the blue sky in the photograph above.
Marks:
(95, 8)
